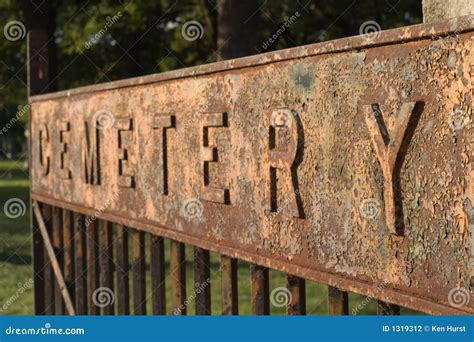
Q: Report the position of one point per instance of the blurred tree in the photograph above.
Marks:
(12, 78)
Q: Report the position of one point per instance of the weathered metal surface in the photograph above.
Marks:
(259, 290)
(178, 278)
(137, 239)
(202, 281)
(229, 285)
(80, 267)
(347, 162)
(123, 284)
(338, 302)
(48, 265)
(297, 300)
(68, 252)
(92, 266)
(58, 251)
(384, 309)
(158, 276)
(106, 260)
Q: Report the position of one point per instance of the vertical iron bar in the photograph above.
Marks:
(122, 266)
(58, 251)
(297, 299)
(38, 265)
(202, 281)
(92, 245)
(138, 271)
(229, 294)
(384, 309)
(80, 270)
(157, 264)
(259, 290)
(178, 277)
(338, 301)
(68, 252)
(106, 258)
(48, 270)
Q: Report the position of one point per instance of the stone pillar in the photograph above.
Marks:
(436, 10)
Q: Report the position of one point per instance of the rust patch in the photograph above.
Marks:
(353, 167)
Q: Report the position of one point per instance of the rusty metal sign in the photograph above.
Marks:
(347, 162)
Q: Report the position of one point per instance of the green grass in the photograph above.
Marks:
(16, 298)
(16, 295)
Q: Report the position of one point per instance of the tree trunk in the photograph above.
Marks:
(236, 28)
(41, 24)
